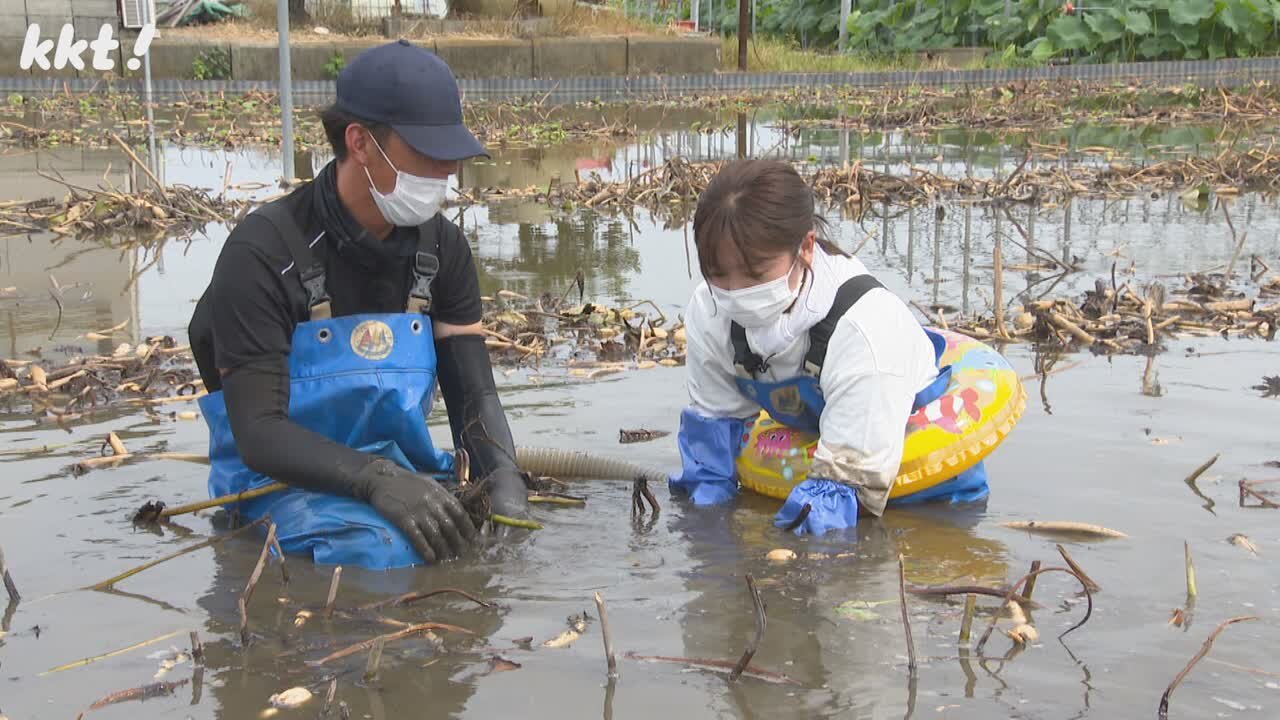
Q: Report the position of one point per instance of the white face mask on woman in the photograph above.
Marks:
(413, 201)
(759, 305)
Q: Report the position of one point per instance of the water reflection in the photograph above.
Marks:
(686, 568)
(936, 254)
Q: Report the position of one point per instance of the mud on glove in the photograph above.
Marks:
(432, 519)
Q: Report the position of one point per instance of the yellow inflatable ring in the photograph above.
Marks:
(946, 437)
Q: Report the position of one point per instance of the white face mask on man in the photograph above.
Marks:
(413, 201)
(759, 305)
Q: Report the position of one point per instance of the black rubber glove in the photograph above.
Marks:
(257, 398)
(479, 423)
(428, 514)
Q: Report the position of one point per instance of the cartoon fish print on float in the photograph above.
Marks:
(774, 443)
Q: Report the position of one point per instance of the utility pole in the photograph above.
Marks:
(845, 7)
(744, 30)
(286, 89)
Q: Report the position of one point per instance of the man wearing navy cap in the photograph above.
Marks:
(331, 315)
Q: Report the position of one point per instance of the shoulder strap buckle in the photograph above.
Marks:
(812, 370)
(310, 271)
(426, 264)
(744, 358)
(317, 295)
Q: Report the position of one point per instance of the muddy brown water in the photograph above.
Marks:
(1107, 441)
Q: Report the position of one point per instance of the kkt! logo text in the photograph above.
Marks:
(68, 51)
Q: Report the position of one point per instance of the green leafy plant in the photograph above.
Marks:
(1038, 30)
(212, 64)
(335, 64)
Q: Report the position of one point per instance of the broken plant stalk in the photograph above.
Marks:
(9, 585)
(253, 583)
(333, 592)
(758, 603)
(113, 653)
(375, 659)
(515, 522)
(1191, 569)
(278, 486)
(995, 618)
(1204, 650)
(906, 619)
(1031, 581)
(422, 595)
(719, 666)
(197, 648)
(110, 582)
(611, 661)
(1093, 586)
(966, 622)
(362, 646)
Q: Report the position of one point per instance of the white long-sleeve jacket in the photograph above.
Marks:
(876, 362)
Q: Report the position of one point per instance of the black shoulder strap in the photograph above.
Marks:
(820, 335)
(426, 263)
(743, 356)
(311, 272)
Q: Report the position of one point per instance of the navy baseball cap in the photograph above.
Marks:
(414, 91)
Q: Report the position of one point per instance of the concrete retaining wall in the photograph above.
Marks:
(486, 58)
(579, 57)
(672, 56)
(470, 58)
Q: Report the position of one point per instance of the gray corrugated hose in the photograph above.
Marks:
(574, 463)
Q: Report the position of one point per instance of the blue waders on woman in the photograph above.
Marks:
(797, 403)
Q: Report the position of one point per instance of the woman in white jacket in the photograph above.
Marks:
(787, 322)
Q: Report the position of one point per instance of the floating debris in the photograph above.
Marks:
(564, 639)
(520, 330)
(158, 372)
(1242, 541)
(220, 120)
(1110, 319)
(1023, 634)
(781, 555)
(861, 610)
(162, 211)
(1064, 527)
(640, 435)
(1269, 387)
(669, 191)
(497, 663)
(146, 692)
(291, 698)
(228, 121)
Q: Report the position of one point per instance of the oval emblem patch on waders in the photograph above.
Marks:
(372, 340)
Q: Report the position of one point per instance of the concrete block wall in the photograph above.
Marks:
(85, 15)
(467, 57)
(470, 58)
